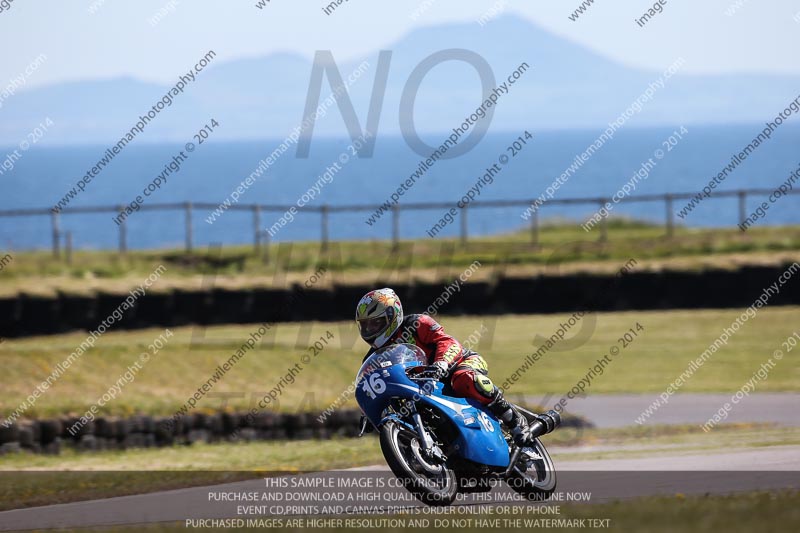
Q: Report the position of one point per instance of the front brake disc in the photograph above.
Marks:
(418, 455)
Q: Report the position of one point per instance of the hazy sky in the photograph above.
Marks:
(118, 40)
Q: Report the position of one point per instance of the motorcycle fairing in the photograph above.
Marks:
(480, 438)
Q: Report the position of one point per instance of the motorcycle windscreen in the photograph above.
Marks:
(382, 377)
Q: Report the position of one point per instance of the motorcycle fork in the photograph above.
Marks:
(424, 438)
(513, 462)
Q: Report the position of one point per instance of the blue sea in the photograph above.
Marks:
(44, 174)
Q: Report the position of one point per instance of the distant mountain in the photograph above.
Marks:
(568, 86)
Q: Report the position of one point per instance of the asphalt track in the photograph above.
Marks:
(621, 410)
(607, 479)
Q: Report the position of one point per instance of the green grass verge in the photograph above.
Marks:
(73, 476)
(653, 360)
(284, 456)
(563, 244)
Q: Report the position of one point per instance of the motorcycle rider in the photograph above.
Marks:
(381, 322)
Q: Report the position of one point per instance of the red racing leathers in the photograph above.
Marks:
(466, 369)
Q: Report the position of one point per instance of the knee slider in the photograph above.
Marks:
(484, 385)
(471, 384)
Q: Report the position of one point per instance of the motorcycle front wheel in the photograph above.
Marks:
(534, 475)
(433, 484)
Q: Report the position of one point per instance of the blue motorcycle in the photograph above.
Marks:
(439, 445)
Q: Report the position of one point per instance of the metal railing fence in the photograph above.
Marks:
(261, 236)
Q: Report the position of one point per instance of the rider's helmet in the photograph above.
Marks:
(379, 315)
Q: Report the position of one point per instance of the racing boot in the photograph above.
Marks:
(514, 421)
(522, 431)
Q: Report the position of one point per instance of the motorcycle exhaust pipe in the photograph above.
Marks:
(544, 424)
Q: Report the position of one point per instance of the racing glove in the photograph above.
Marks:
(439, 369)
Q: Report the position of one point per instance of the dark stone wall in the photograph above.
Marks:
(33, 315)
(50, 436)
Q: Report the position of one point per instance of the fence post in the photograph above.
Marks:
(395, 226)
(123, 232)
(742, 207)
(265, 257)
(256, 229)
(670, 215)
(54, 222)
(188, 226)
(535, 229)
(324, 229)
(464, 226)
(603, 224)
(68, 247)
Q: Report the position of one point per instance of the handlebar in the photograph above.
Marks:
(421, 373)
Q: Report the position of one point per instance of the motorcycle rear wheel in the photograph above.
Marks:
(419, 477)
